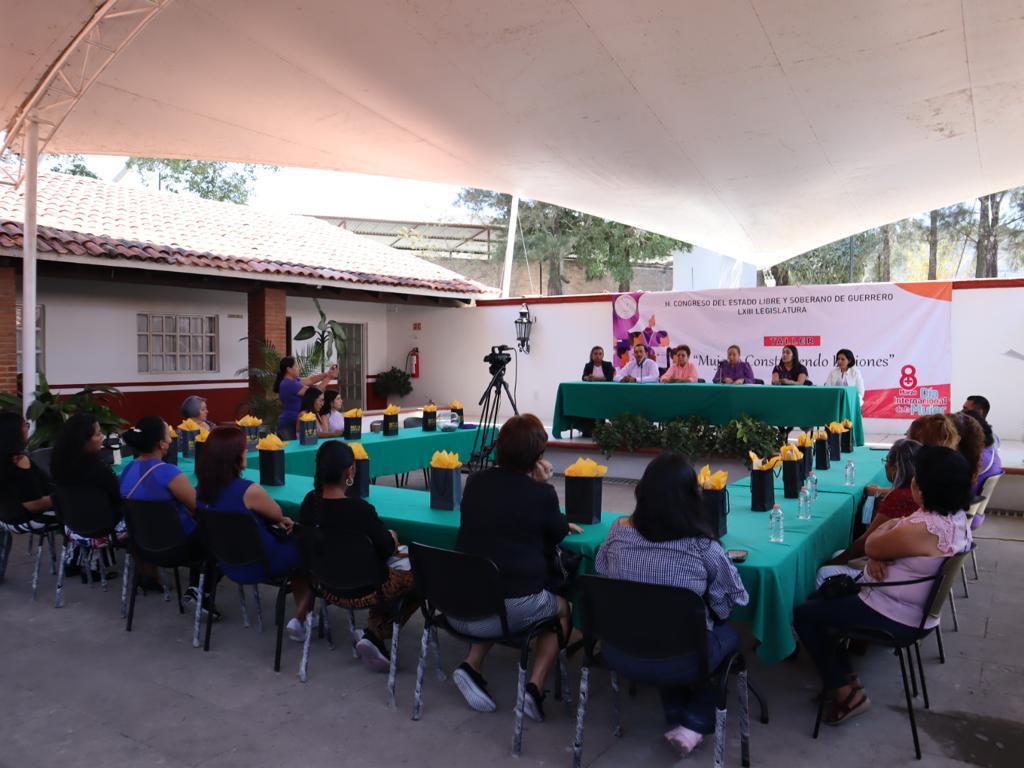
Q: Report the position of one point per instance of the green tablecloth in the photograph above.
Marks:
(777, 576)
(718, 403)
(870, 466)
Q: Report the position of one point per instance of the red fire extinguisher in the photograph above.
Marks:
(414, 362)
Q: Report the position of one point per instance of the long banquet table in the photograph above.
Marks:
(718, 403)
(777, 576)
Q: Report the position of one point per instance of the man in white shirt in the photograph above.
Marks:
(641, 368)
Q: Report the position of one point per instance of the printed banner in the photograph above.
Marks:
(899, 334)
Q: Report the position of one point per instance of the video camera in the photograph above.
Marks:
(498, 358)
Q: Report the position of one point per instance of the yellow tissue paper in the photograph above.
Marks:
(712, 482)
(847, 423)
(455, 405)
(353, 413)
(307, 416)
(174, 434)
(249, 421)
(821, 434)
(763, 465)
(203, 434)
(358, 451)
(271, 443)
(585, 468)
(391, 410)
(445, 460)
(805, 440)
(790, 453)
(429, 408)
(189, 425)
(836, 427)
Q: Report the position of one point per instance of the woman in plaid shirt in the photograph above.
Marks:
(668, 540)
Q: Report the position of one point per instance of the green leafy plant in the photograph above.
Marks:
(627, 431)
(690, 436)
(263, 402)
(49, 411)
(393, 381)
(328, 340)
(740, 436)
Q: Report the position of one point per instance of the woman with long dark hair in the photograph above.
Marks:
(290, 388)
(222, 489)
(846, 373)
(669, 540)
(313, 401)
(331, 409)
(328, 512)
(789, 370)
(24, 487)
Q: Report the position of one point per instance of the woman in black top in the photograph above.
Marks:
(511, 515)
(24, 487)
(598, 369)
(326, 513)
(789, 370)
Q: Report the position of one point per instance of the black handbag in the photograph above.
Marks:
(562, 570)
(844, 585)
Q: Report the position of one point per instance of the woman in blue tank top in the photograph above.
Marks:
(222, 489)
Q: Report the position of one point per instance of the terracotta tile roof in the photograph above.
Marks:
(86, 217)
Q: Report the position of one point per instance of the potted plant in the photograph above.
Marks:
(393, 381)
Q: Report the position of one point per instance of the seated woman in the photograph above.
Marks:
(313, 402)
(332, 410)
(668, 540)
(194, 407)
(681, 369)
(934, 429)
(328, 510)
(222, 489)
(846, 373)
(598, 369)
(732, 370)
(904, 549)
(24, 487)
(290, 388)
(894, 502)
(149, 478)
(511, 515)
(991, 463)
(789, 370)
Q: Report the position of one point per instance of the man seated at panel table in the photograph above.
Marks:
(681, 369)
(732, 370)
(641, 368)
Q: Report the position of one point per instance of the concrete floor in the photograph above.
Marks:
(75, 689)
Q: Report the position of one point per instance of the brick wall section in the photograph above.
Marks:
(267, 313)
(8, 325)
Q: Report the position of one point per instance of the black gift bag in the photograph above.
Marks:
(390, 425)
(271, 467)
(716, 506)
(252, 436)
(445, 488)
(430, 421)
(833, 446)
(462, 417)
(361, 482)
(791, 480)
(846, 441)
(583, 500)
(307, 432)
(762, 490)
(353, 427)
(807, 461)
(197, 451)
(187, 442)
(171, 457)
(821, 455)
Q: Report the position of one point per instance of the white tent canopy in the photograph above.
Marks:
(758, 128)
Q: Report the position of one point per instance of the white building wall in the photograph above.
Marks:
(701, 269)
(373, 315)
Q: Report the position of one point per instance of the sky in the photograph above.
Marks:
(300, 190)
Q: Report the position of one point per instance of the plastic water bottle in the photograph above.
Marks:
(849, 473)
(812, 485)
(775, 526)
(803, 504)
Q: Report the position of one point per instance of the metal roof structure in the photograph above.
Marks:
(456, 240)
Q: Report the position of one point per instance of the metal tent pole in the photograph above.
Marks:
(510, 247)
(30, 152)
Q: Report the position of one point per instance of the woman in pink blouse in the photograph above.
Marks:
(903, 549)
(681, 369)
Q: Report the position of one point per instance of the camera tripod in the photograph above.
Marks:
(487, 431)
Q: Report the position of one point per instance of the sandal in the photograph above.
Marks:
(852, 680)
(841, 711)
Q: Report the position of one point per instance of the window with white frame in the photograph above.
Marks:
(176, 343)
(40, 337)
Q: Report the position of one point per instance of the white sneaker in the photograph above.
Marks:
(683, 740)
(296, 630)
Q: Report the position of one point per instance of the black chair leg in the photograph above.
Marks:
(131, 599)
(177, 587)
(762, 704)
(821, 710)
(910, 703)
(938, 639)
(279, 619)
(209, 613)
(920, 670)
(913, 674)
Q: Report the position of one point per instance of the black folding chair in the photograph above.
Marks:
(651, 621)
(942, 585)
(347, 567)
(233, 539)
(468, 587)
(87, 512)
(15, 520)
(156, 536)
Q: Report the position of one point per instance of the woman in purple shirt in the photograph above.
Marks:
(290, 388)
(733, 370)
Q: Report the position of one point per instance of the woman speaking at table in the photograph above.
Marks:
(732, 370)
(641, 368)
(789, 370)
(846, 373)
(290, 388)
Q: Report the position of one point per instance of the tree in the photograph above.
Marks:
(229, 182)
(883, 269)
(73, 165)
(933, 243)
(606, 247)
